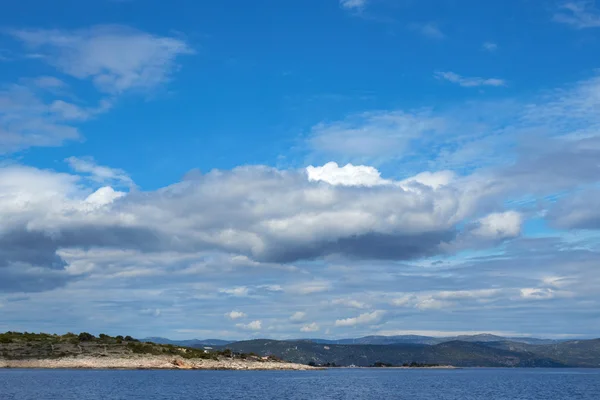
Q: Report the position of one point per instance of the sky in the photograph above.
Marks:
(300, 168)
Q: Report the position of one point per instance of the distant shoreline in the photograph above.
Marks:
(432, 367)
(151, 363)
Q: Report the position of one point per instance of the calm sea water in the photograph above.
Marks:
(464, 384)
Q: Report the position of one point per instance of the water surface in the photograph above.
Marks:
(417, 384)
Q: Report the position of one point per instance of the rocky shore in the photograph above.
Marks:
(151, 362)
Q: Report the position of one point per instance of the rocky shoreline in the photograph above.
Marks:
(151, 362)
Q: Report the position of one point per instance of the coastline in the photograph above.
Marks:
(151, 362)
(435, 367)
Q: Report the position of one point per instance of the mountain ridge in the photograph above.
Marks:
(577, 353)
(372, 340)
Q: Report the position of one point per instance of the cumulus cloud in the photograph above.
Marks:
(434, 180)
(348, 175)
(469, 82)
(251, 326)
(351, 303)
(312, 327)
(363, 319)
(499, 225)
(116, 58)
(256, 214)
(298, 316)
(233, 315)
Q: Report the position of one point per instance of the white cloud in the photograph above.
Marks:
(49, 82)
(436, 300)
(26, 120)
(544, 293)
(233, 315)
(104, 196)
(309, 287)
(251, 326)
(538, 293)
(557, 281)
(151, 311)
(432, 304)
(240, 291)
(116, 58)
(351, 303)
(298, 316)
(99, 173)
(72, 112)
(434, 180)
(469, 82)
(312, 327)
(429, 29)
(353, 4)
(499, 225)
(363, 319)
(259, 213)
(348, 175)
(490, 46)
(372, 135)
(467, 294)
(579, 14)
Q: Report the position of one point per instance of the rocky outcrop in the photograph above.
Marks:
(150, 362)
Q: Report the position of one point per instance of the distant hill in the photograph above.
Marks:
(417, 339)
(188, 343)
(381, 340)
(373, 339)
(582, 353)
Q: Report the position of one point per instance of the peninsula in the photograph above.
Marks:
(85, 351)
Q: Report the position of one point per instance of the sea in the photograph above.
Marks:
(338, 384)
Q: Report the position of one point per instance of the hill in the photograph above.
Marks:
(418, 339)
(584, 353)
(41, 350)
(188, 343)
(579, 353)
(15, 345)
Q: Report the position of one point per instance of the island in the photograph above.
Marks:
(86, 351)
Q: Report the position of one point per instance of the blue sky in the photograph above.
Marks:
(300, 168)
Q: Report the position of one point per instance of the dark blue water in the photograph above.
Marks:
(464, 384)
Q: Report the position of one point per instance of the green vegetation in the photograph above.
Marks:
(17, 345)
(579, 353)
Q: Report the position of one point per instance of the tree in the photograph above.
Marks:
(84, 337)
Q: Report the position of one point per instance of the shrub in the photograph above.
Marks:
(84, 337)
